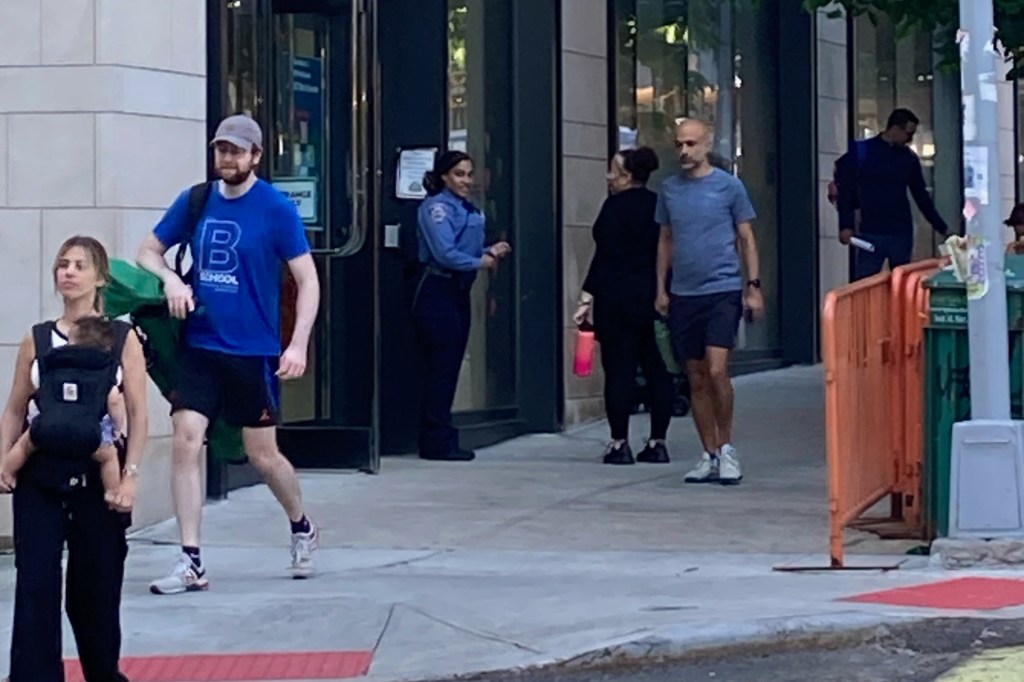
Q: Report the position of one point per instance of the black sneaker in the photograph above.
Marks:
(619, 455)
(654, 452)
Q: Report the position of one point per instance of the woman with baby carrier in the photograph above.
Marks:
(71, 375)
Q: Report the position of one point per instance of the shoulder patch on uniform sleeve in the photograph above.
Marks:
(438, 213)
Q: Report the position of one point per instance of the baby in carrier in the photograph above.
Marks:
(74, 383)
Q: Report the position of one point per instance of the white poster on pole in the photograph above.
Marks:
(976, 173)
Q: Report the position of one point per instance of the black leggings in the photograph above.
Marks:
(622, 350)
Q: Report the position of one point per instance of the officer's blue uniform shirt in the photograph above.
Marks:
(451, 233)
(238, 251)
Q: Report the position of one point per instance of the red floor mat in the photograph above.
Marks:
(982, 594)
(328, 665)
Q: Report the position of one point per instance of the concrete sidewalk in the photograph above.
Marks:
(534, 554)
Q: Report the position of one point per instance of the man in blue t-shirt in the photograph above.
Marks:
(705, 216)
(232, 358)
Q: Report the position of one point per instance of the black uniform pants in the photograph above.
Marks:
(442, 316)
(623, 348)
(44, 517)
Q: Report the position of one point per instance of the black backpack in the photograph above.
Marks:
(74, 382)
(198, 196)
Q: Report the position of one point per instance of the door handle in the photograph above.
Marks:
(325, 252)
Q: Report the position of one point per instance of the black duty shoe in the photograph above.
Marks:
(654, 452)
(459, 455)
(619, 455)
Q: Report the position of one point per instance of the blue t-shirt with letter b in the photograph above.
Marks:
(238, 249)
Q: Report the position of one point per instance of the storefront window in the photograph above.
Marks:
(890, 73)
(714, 60)
(479, 101)
(241, 54)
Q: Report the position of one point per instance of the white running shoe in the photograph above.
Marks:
(729, 472)
(304, 546)
(184, 577)
(706, 470)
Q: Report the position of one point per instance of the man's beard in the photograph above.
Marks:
(234, 177)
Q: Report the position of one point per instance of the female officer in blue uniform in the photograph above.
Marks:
(450, 233)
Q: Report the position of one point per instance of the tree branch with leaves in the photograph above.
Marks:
(940, 18)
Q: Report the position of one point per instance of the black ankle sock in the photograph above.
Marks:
(302, 525)
(193, 554)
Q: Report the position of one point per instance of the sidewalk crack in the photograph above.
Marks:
(522, 518)
(482, 634)
(407, 562)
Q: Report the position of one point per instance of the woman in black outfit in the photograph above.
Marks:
(618, 298)
(60, 500)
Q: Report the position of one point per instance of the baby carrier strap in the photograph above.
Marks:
(42, 337)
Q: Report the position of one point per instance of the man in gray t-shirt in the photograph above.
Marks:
(706, 231)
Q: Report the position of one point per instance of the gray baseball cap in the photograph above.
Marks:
(241, 131)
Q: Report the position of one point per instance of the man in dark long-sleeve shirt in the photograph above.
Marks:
(874, 176)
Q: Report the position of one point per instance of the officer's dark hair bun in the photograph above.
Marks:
(640, 163)
(433, 180)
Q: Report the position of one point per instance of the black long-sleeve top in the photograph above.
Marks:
(623, 274)
(876, 181)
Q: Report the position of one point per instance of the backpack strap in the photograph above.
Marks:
(198, 196)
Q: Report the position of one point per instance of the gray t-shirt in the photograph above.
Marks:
(704, 213)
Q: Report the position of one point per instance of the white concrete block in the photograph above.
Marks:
(832, 126)
(585, 139)
(52, 160)
(128, 148)
(135, 226)
(583, 29)
(20, 264)
(20, 32)
(137, 33)
(4, 160)
(68, 31)
(831, 75)
(831, 30)
(585, 189)
(189, 32)
(584, 88)
(160, 93)
(58, 89)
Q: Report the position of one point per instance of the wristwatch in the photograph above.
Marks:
(131, 471)
(756, 283)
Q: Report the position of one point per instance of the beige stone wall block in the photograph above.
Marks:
(145, 162)
(51, 160)
(68, 31)
(20, 265)
(585, 189)
(20, 32)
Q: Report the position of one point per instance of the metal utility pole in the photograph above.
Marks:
(987, 326)
(986, 487)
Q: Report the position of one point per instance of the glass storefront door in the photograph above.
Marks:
(320, 158)
(301, 68)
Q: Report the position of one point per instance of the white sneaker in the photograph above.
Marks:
(729, 472)
(304, 546)
(706, 470)
(184, 577)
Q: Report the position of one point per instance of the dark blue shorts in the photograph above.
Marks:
(244, 389)
(709, 320)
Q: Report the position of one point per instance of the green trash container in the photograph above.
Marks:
(947, 379)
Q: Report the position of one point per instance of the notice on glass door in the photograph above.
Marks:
(413, 164)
